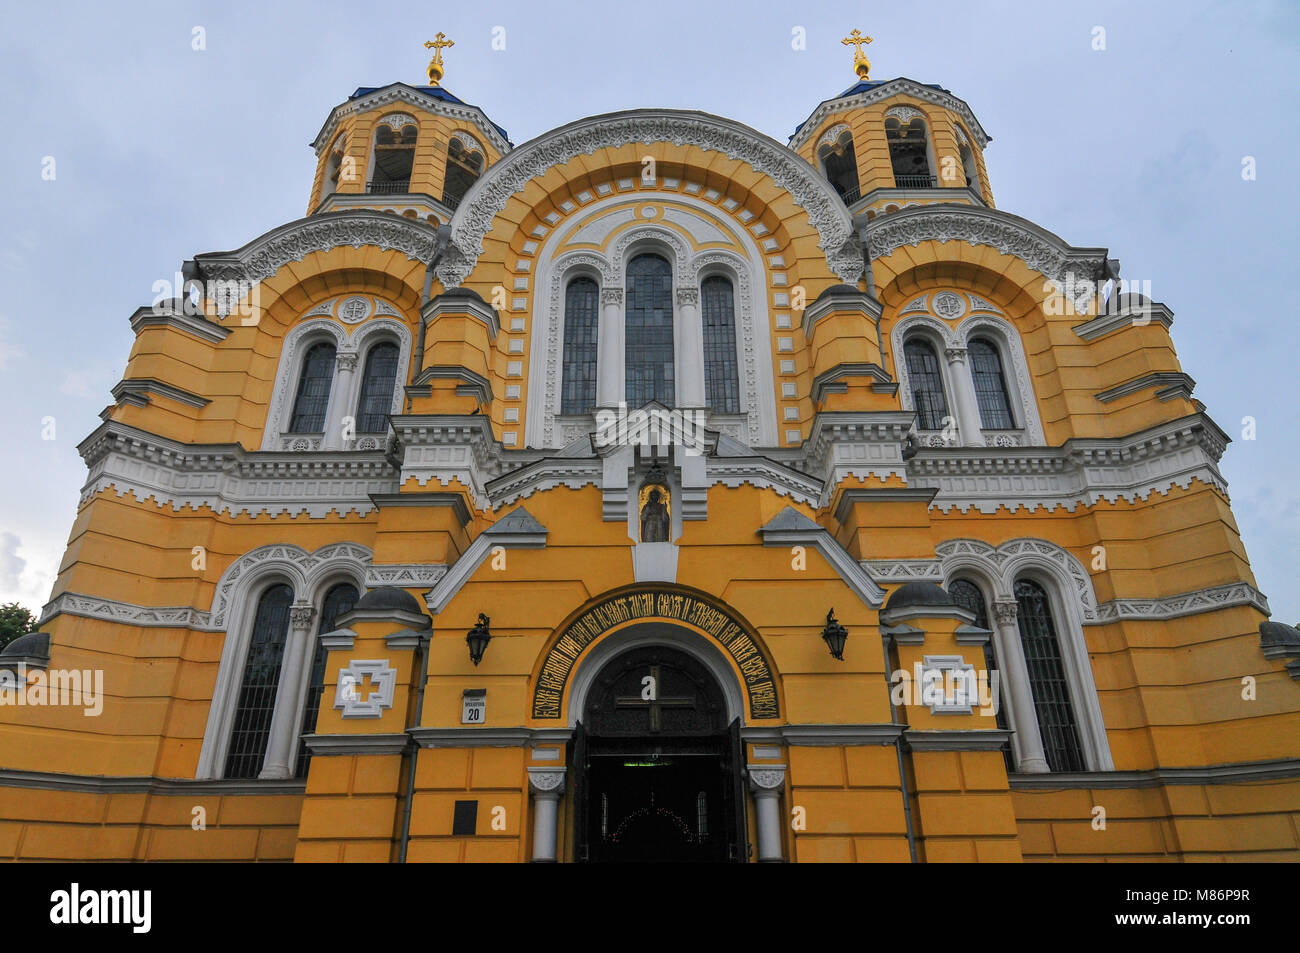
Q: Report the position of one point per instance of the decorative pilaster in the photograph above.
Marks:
(283, 719)
(766, 783)
(609, 349)
(1026, 739)
(967, 404)
(546, 784)
(688, 349)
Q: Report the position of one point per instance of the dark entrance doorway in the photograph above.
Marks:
(656, 767)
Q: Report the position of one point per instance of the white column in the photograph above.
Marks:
(1026, 739)
(967, 409)
(766, 783)
(609, 349)
(283, 718)
(688, 349)
(341, 402)
(547, 784)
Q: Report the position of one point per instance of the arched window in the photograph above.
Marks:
(841, 167)
(393, 159)
(313, 390)
(377, 382)
(722, 380)
(990, 386)
(968, 166)
(927, 384)
(909, 154)
(581, 322)
(252, 721)
(967, 595)
(1047, 681)
(340, 599)
(649, 324)
(333, 166)
(464, 166)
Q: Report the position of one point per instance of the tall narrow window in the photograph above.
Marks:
(464, 166)
(1056, 721)
(649, 353)
(313, 390)
(581, 308)
(927, 384)
(990, 386)
(841, 167)
(967, 595)
(340, 599)
(393, 160)
(721, 379)
(252, 721)
(968, 167)
(909, 154)
(377, 382)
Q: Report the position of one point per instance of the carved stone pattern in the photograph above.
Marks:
(293, 556)
(1042, 551)
(383, 307)
(916, 304)
(1006, 612)
(611, 295)
(832, 135)
(354, 310)
(948, 305)
(396, 121)
(71, 603)
(687, 296)
(546, 782)
(980, 304)
(396, 94)
(325, 307)
(887, 233)
(466, 140)
(903, 114)
(346, 360)
(489, 195)
(404, 576)
(961, 134)
(1187, 603)
(300, 616)
(765, 779)
(264, 258)
(955, 355)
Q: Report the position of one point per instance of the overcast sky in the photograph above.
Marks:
(162, 151)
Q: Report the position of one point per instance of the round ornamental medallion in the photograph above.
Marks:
(355, 309)
(948, 305)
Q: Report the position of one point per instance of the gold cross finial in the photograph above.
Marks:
(437, 44)
(861, 65)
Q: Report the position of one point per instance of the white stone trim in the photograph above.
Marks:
(556, 267)
(894, 87)
(347, 695)
(234, 605)
(402, 93)
(790, 172)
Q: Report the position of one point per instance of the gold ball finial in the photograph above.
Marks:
(437, 44)
(861, 65)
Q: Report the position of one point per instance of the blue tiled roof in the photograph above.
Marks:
(437, 92)
(860, 87)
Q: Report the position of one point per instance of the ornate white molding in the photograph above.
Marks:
(265, 255)
(904, 114)
(126, 613)
(895, 87)
(845, 445)
(790, 172)
(1001, 564)
(1006, 233)
(305, 571)
(401, 93)
(396, 121)
(404, 575)
(1184, 604)
(832, 135)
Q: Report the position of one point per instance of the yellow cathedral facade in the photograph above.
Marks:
(653, 491)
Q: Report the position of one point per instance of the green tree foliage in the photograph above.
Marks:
(15, 621)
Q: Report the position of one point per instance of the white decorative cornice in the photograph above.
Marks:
(305, 570)
(140, 390)
(228, 479)
(1134, 310)
(790, 172)
(267, 254)
(175, 314)
(765, 474)
(1000, 565)
(1171, 383)
(1184, 604)
(401, 93)
(126, 613)
(845, 444)
(1009, 234)
(888, 90)
(404, 575)
(447, 448)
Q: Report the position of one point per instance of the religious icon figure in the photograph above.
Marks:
(654, 517)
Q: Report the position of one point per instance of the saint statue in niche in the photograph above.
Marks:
(655, 507)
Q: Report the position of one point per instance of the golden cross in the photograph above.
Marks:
(861, 64)
(437, 44)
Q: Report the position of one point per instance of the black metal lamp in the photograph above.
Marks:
(478, 639)
(835, 635)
